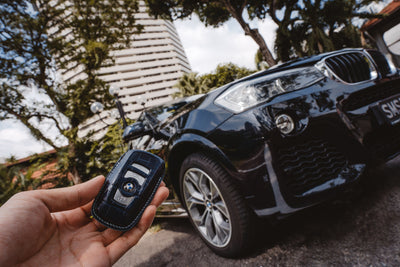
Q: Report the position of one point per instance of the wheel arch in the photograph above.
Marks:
(189, 143)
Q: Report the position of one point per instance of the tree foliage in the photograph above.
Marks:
(33, 174)
(305, 27)
(259, 61)
(42, 40)
(224, 74)
(110, 147)
(215, 13)
(192, 83)
(12, 181)
(314, 26)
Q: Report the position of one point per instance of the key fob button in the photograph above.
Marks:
(139, 179)
(121, 199)
(141, 168)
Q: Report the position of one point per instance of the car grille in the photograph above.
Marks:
(354, 67)
(309, 164)
(380, 61)
(350, 67)
(368, 96)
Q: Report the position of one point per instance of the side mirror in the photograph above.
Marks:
(134, 130)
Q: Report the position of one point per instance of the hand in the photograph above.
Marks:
(53, 228)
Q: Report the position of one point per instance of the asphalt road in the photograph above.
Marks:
(361, 228)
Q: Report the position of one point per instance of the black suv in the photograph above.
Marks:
(275, 142)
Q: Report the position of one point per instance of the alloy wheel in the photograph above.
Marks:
(207, 207)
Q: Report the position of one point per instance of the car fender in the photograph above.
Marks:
(182, 145)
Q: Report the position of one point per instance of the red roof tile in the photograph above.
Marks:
(9, 164)
(388, 10)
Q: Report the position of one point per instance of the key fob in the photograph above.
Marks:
(128, 190)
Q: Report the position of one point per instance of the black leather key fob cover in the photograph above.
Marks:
(128, 190)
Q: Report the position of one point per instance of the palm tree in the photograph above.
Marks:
(191, 84)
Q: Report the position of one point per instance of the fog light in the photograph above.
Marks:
(284, 123)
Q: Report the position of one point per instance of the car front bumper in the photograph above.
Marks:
(338, 132)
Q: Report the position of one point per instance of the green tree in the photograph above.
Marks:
(39, 40)
(314, 26)
(192, 83)
(215, 13)
(259, 61)
(110, 147)
(7, 187)
(15, 177)
(224, 74)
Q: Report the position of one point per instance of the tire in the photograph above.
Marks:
(215, 208)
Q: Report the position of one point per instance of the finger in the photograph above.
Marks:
(87, 208)
(82, 216)
(70, 197)
(122, 244)
(79, 216)
(109, 235)
(161, 195)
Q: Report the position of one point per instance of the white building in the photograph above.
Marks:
(151, 66)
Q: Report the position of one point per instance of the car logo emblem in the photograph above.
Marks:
(129, 187)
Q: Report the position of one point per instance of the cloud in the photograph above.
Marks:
(267, 29)
(206, 47)
(15, 140)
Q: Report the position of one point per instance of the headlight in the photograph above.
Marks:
(247, 94)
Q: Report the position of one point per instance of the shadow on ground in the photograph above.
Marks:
(360, 228)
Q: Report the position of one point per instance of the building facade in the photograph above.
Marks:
(150, 67)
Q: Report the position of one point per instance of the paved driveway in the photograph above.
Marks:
(360, 229)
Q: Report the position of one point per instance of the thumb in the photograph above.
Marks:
(70, 197)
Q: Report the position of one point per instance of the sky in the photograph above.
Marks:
(205, 47)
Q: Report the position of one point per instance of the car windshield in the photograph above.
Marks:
(162, 112)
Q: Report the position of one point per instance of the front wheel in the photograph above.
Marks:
(214, 205)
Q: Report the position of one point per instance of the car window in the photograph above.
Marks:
(161, 113)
